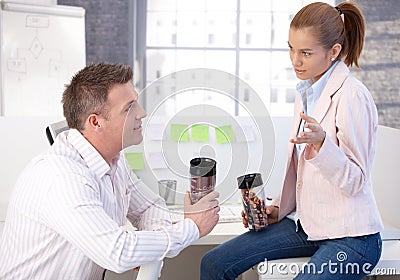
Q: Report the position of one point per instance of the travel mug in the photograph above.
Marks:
(203, 177)
(253, 198)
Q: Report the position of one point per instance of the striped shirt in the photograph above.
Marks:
(67, 214)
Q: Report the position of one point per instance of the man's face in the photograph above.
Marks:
(124, 124)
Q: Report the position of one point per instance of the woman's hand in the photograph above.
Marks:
(272, 214)
(314, 134)
(244, 220)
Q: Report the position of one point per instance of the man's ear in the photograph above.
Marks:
(93, 122)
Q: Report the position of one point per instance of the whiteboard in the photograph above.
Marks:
(41, 48)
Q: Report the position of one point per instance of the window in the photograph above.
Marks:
(247, 39)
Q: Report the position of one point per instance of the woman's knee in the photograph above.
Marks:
(211, 259)
(209, 265)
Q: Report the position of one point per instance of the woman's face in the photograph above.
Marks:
(309, 59)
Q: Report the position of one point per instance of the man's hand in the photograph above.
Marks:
(271, 211)
(204, 213)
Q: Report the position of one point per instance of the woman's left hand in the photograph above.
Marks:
(313, 135)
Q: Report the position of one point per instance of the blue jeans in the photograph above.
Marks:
(342, 258)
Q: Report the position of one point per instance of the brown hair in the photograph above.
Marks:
(88, 91)
(327, 25)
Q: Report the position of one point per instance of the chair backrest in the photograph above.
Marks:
(385, 175)
(54, 129)
(150, 271)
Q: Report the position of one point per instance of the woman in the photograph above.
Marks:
(326, 209)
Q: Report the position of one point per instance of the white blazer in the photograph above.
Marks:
(331, 190)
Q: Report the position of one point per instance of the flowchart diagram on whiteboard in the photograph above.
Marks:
(42, 47)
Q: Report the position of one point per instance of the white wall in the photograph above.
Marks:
(385, 176)
(22, 138)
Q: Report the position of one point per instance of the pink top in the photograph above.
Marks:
(331, 190)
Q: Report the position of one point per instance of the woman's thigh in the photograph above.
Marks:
(344, 258)
(232, 258)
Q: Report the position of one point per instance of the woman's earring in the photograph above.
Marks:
(333, 59)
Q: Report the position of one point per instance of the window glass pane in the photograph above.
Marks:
(255, 30)
(287, 5)
(256, 6)
(191, 29)
(221, 29)
(279, 105)
(293, 6)
(189, 59)
(255, 70)
(221, 5)
(255, 66)
(161, 29)
(280, 30)
(187, 34)
(283, 84)
(159, 63)
(195, 97)
(161, 5)
(282, 73)
(190, 5)
(223, 60)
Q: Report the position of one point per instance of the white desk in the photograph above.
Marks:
(222, 233)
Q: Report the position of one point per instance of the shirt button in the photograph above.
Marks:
(299, 185)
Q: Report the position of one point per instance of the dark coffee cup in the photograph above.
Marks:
(253, 198)
(203, 177)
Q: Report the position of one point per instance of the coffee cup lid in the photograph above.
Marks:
(203, 167)
(249, 181)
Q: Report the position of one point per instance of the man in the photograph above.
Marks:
(67, 213)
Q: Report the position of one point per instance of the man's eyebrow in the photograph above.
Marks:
(130, 103)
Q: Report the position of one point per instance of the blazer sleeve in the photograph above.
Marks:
(347, 164)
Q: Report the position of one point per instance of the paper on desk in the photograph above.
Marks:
(135, 160)
(156, 161)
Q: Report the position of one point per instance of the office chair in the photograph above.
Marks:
(150, 271)
(54, 129)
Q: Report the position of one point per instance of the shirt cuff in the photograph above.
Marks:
(180, 236)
